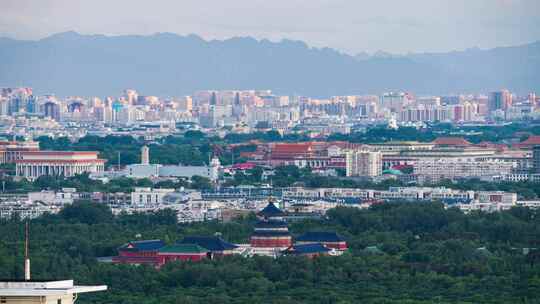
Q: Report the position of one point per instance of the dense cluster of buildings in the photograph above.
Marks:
(224, 204)
(415, 163)
(24, 113)
(451, 158)
(319, 200)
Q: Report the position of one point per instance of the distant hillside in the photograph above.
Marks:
(168, 64)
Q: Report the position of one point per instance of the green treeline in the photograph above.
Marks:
(399, 253)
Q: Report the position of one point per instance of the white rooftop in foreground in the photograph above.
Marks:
(44, 288)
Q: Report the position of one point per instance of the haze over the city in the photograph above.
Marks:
(278, 151)
(347, 25)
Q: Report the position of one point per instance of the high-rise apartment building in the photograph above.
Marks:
(4, 106)
(131, 96)
(394, 101)
(185, 103)
(363, 163)
(429, 101)
(536, 159)
(52, 109)
(531, 98)
(501, 100)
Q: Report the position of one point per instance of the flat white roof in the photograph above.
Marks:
(50, 288)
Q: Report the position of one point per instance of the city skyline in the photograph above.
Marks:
(286, 151)
(390, 26)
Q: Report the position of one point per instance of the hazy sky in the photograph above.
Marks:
(352, 26)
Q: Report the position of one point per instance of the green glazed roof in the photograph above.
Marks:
(183, 248)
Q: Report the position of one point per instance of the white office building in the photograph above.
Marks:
(363, 163)
(146, 196)
(434, 170)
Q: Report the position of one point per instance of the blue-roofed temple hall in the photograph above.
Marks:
(270, 237)
(157, 253)
(271, 230)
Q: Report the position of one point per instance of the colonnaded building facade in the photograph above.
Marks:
(34, 164)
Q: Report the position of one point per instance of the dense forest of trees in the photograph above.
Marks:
(399, 253)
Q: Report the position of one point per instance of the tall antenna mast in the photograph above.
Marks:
(26, 254)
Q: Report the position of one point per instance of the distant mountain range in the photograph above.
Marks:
(170, 65)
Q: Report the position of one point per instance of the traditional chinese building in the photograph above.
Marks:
(271, 230)
(529, 143)
(139, 252)
(181, 252)
(328, 239)
(308, 250)
(317, 155)
(214, 245)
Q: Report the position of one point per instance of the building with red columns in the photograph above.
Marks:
(310, 250)
(139, 252)
(180, 252)
(215, 246)
(328, 239)
(271, 235)
(271, 230)
(156, 253)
